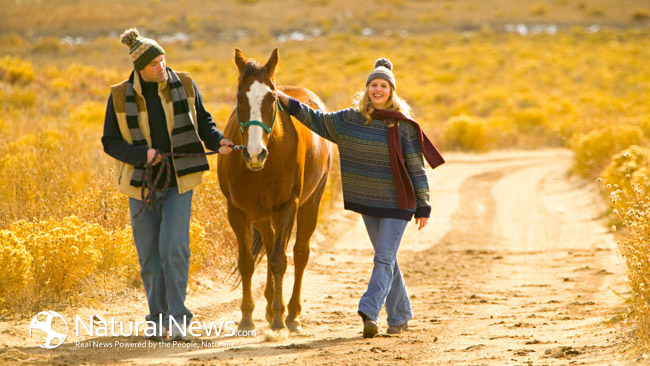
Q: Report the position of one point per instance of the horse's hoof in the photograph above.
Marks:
(246, 326)
(294, 326)
(278, 325)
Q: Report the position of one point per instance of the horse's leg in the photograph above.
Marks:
(268, 293)
(268, 238)
(283, 220)
(307, 220)
(246, 264)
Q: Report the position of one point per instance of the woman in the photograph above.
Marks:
(383, 179)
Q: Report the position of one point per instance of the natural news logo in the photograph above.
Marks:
(51, 329)
(49, 323)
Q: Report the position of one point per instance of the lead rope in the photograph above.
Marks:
(166, 167)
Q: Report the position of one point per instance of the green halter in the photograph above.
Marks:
(259, 123)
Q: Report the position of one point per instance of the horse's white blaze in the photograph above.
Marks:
(255, 95)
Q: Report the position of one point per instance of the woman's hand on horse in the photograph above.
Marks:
(226, 146)
(284, 99)
(421, 222)
(151, 155)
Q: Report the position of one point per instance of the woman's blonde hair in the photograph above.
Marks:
(394, 103)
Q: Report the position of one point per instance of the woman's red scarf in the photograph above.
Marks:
(403, 184)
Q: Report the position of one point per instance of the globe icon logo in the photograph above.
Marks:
(47, 324)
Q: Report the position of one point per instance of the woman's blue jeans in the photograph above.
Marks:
(386, 286)
(162, 240)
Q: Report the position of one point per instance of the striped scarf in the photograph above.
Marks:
(184, 137)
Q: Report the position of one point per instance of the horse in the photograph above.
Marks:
(277, 181)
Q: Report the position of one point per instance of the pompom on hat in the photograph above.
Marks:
(141, 49)
(383, 70)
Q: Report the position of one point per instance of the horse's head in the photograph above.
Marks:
(257, 107)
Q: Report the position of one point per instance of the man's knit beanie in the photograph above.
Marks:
(142, 50)
(383, 70)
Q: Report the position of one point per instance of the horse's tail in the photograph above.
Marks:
(258, 250)
(257, 247)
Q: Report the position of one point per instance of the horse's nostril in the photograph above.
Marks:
(262, 155)
(247, 156)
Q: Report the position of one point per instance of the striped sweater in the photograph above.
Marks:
(366, 174)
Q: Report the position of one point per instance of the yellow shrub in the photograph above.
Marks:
(538, 9)
(445, 77)
(633, 211)
(381, 16)
(119, 257)
(645, 127)
(597, 12)
(47, 45)
(503, 132)
(630, 166)
(63, 253)
(60, 84)
(466, 133)
(529, 120)
(594, 150)
(18, 98)
(641, 15)
(55, 261)
(16, 70)
(15, 264)
(89, 115)
(198, 247)
(14, 41)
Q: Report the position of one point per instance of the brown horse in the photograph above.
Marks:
(277, 180)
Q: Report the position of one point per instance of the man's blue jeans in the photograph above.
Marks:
(386, 286)
(162, 240)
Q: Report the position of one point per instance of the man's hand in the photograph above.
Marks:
(151, 154)
(226, 146)
(421, 222)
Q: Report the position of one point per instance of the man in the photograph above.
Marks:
(159, 109)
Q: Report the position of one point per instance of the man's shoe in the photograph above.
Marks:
(176, 334)
(155, 338)
(397, 329)
(158, 336)
(370, 328)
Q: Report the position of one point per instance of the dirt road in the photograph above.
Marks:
(514, 268)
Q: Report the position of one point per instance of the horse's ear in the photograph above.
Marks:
(240, 60)
(272, 62)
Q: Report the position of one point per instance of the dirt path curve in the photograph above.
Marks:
(514, 268)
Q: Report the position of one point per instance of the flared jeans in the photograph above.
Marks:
(386, 285)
